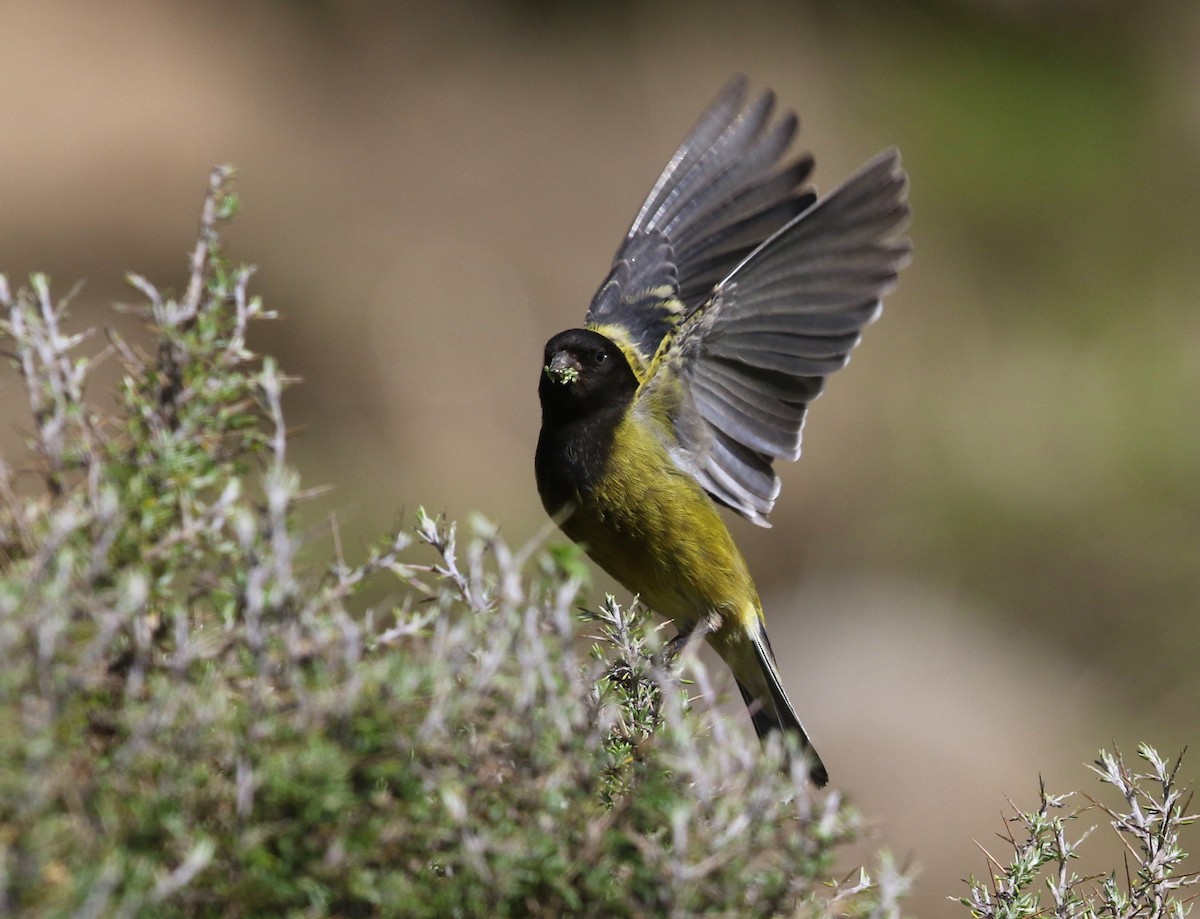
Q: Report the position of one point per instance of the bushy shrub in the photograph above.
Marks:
(1042, 875)
(192, 723)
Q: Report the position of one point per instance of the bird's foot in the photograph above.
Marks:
(677, 645)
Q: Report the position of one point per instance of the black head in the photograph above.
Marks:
(584, 371)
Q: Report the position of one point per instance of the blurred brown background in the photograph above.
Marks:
(985, 566)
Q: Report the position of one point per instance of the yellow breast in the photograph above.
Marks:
(654, 529)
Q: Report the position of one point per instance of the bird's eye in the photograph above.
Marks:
(601, 357)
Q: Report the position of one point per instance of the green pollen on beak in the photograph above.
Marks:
(562, 375)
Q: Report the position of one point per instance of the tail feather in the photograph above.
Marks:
(776, 713)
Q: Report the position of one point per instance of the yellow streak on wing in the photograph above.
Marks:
(619, 335)
(669, 354)
(670, 302)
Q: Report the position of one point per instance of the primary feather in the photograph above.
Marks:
(736, 293)
(721, 194)
(736, 375)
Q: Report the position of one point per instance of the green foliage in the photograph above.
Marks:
(1045, 858)
(193, 724)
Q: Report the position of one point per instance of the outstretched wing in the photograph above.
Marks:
(732, 386)
(722, 193)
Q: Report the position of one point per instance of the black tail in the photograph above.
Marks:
(776, 713)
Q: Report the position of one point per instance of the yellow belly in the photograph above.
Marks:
(654, 529)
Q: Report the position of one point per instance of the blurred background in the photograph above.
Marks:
(985, 566)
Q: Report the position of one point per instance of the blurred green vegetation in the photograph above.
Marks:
(1055, 472)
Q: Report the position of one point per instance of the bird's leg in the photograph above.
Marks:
(672, 649)
(683, 639)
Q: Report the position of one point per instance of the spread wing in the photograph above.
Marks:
(732, 385)
(723, 192)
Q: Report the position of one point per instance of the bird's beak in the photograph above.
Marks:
(563, 368)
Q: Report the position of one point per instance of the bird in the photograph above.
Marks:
(735, 293)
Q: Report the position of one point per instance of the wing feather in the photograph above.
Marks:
(739, 477)
(767, 429)
(751, 358)
(723, 192)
